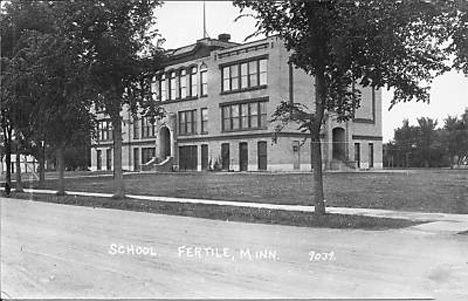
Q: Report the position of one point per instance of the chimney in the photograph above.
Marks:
(224, 37)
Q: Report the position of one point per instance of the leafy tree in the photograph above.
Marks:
(394, 44)
(118, 38)
(16, 101)
(405, 142)
(52, 74)
(429, 150)
(454, 136)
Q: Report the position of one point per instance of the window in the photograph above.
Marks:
(245, 75)
(136, 129)
(204, 120)
(172, 86)
(187, 122)
(204, 82)
(183, 84)
(262, 71)
(253, 73)
(234, 80)
(251, 115)
(147, 127)
(193, 82)
(163, 87)
(104, 129)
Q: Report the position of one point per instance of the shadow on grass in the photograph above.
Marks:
(228, 213)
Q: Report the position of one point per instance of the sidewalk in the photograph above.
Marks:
(440, 222)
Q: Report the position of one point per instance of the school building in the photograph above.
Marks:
(219, 96)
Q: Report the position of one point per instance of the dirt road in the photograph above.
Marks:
(58, 251)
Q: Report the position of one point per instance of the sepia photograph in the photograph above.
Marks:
(241, 150)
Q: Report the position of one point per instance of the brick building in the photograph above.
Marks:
(219, 96)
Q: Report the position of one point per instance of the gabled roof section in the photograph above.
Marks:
(201, 48)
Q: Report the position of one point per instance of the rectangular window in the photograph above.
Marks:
(245, 116)
(263, 72)
(234, 80)
(253, 73)
(235, 117)
(263, 114)
(183, 84)
(193, 82)
(204, 83)
(136, 129)
(226, 118)
(226, 79)
(147, 127)
(163, 87)
(172, 86)
(244, 75)
(204, 120)
(251, 115)
(104, 130)
(187, 122)
(371, 155)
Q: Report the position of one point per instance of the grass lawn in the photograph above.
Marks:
(229, 213)
(414, 190)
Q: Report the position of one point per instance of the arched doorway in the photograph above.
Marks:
(339, 143)
(164, 143)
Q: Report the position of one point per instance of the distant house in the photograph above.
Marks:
(219, 96)
(28, 164)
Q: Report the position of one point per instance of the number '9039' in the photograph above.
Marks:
(322, 256)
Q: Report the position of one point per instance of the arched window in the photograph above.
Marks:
(193, 81)
(163, 87)
(183, 84)
(204, 80)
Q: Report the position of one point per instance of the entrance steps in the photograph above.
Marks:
(155, 165)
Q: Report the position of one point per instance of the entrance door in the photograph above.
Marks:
(188, 157)
(99, 160)
(204, 157)
(243, 156)
(225, 157)
(164, 143)
(339, 143)
(262, 155)
(297, 155)
(371, 155)
(357, 154)
(109, 159)
(136, 159)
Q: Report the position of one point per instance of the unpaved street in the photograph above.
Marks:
(59, 251)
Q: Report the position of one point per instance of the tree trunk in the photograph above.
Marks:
(7, 135)
(119, 192)
(61, 169)
(42, 167)
(316, 145)
(18, 184)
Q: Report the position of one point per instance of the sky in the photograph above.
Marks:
(181, 23)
